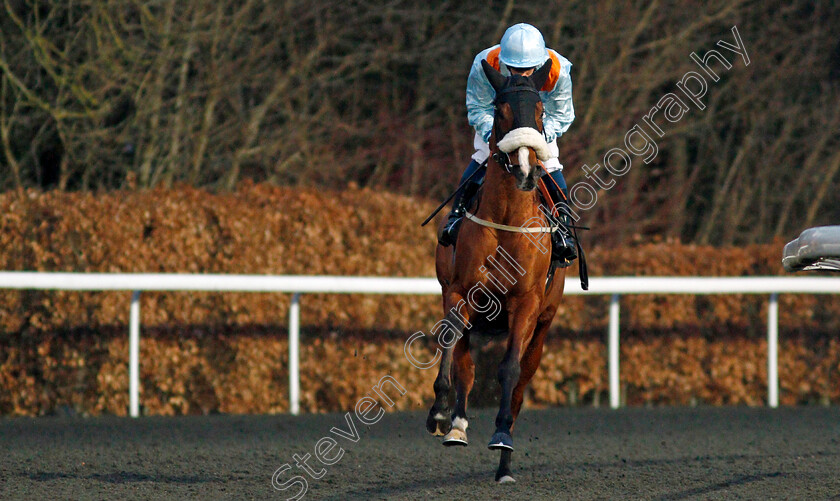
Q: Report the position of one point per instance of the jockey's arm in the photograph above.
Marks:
(480, 98)
(559, 110)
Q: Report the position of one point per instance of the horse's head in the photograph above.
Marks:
(518, 125)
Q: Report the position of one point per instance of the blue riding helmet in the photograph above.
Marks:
(523, 47)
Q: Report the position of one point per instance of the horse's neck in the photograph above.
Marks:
(502, 202)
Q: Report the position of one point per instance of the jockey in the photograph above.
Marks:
(522, 51)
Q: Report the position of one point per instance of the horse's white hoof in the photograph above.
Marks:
(455, 437)
(507, 479)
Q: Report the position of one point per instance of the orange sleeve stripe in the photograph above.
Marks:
(554, 74)
(493, 58)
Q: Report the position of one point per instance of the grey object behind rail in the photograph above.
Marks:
(815, 249)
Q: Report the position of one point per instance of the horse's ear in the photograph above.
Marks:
(497, 80)
(540, 76)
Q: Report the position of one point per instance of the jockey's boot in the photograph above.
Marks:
(564, 247)
(459, 205)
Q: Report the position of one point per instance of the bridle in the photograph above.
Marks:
(515, 93)
(503, 159)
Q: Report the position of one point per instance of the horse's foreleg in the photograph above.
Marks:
(508, 375)
(528, 366)
(522, 322)
(448, 332)
(522, 318)
(529, 363)
(464, 372)
(438, 422)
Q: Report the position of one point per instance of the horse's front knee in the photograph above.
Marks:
(509, 371)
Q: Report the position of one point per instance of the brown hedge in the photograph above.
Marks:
(206, 352)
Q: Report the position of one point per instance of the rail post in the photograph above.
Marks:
(134, 356)
(294, 357)
(773, 351)
(613, 351)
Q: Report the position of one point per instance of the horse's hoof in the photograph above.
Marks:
(507, 479)
(455, 437)
(438, 424)
(501, 441)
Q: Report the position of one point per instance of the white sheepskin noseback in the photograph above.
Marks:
(525, 136)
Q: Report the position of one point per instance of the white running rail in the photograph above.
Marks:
(298, 285)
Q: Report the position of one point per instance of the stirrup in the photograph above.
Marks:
(563, 250)
(450, 232)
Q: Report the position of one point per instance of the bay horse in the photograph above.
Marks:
(496, 276)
